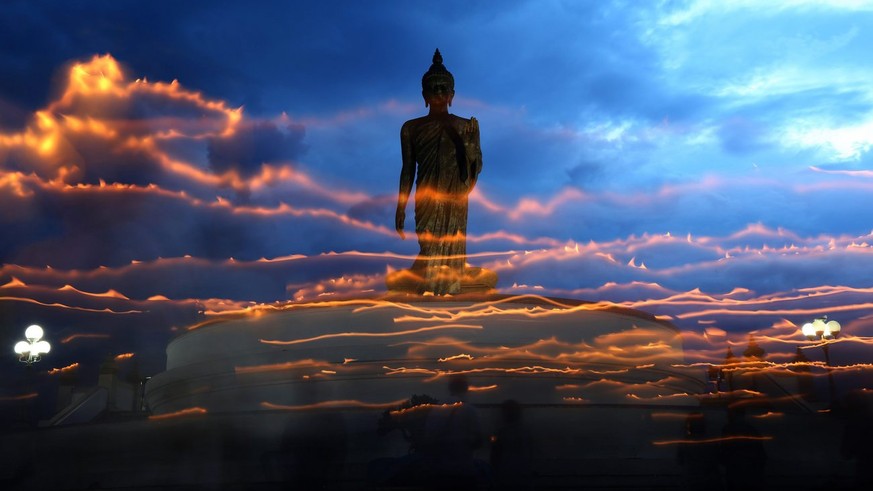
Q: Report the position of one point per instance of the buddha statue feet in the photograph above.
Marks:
(441, 281)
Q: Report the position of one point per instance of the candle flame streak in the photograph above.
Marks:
(815, 292)
(778, 312)
(371, 334)
(713, 440)
(681, 395)
(535, 312)
(769, 415)
(567, 387)
(530, 206)
(367, 304)
(334, 404)
(482, 388)
(462, 356)
(13, 283)
(70, 307)
(84, 335)
(290, 365)
(22, 397)
(191, 411)
(609, 372)
(421, 407)
(108, 294)
(68, 368)
(786, 368)
(528, 370)
(671, 415)
(460, 308)
(556, 351)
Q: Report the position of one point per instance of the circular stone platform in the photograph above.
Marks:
(376, 352)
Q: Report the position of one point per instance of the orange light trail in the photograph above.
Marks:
(530, 206)
(70, 307)
(567, 387)
(482, 388)
(124, 356)
(108, 294)
(713, 440)
(555, 351)
(489, 309)
(291, 365)
(22, 397)
(66, 369)
(661, 415)
(779, 312)
(521, 370)
(337, 404)
(421, 407)
(13, 283)
(372, 334)
(73, 337)
(462, 356)
(191, 411)
(660, 397)
(769, 415)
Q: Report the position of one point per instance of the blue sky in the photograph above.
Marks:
(680, 145)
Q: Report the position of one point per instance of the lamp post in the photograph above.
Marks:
(31, 351)
(821, 329)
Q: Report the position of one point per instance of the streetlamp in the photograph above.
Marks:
(821, 329)
(30, 351)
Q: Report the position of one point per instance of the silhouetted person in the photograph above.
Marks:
(754, 352)
(805, 382)
(452, 434)
(743, 458)
(410, 419)
(858, 438)
(699, 461)
(730, 360)
(313, 445)
(512, 450)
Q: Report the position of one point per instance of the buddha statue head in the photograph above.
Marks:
(437, 84)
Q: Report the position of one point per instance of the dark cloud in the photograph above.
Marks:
(91, 228)
(255, 144)
(741, 136)
(12, 116)
(379, 209)
(586, 174)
